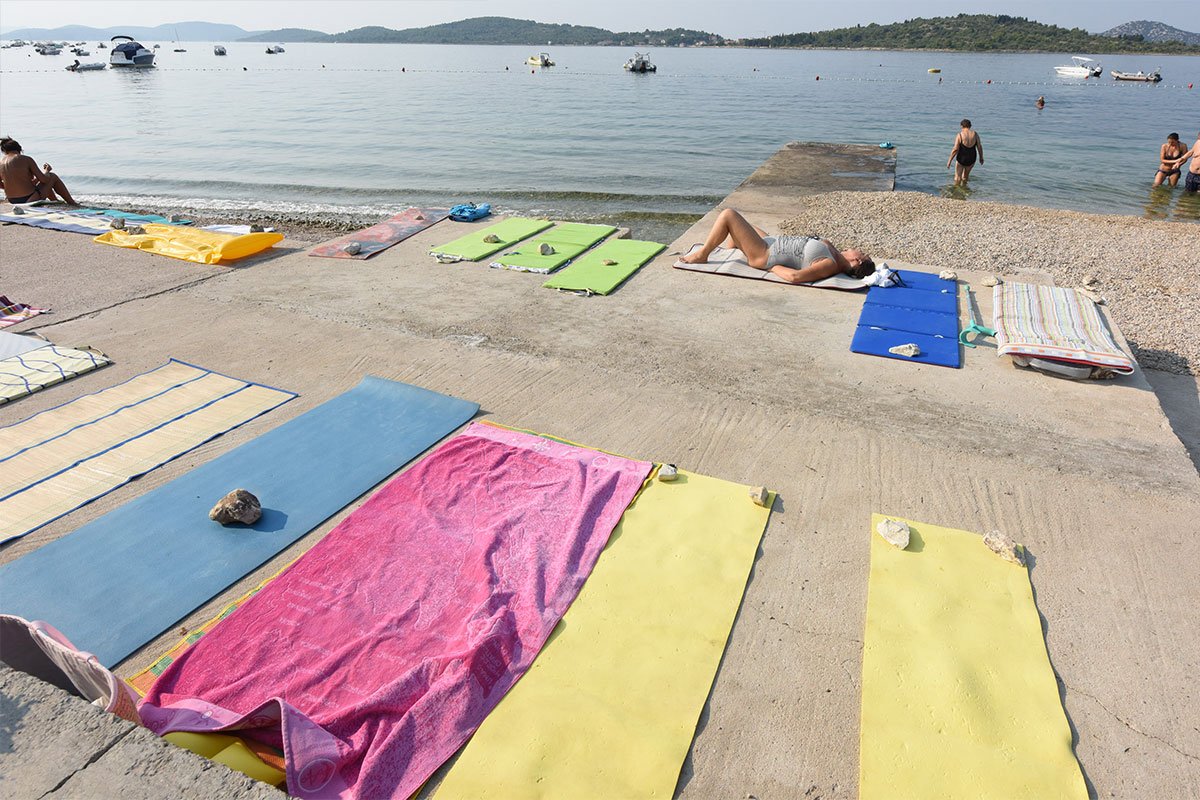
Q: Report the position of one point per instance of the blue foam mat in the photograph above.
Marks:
(119, 581)
(920, 299)
(934, 350)
(924, 313)
(932, 323)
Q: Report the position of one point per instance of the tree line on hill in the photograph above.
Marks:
(971, 32)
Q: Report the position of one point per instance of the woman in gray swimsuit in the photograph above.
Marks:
(796, 259)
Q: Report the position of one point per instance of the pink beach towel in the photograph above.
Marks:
(375, 656)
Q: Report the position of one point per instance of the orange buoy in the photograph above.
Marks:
(818, 77)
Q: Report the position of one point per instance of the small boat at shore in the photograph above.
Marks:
(640, 63)
(218, 49)
(1080, 67)
(540, 60)
(1144, 77)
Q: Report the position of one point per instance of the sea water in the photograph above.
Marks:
(360, 130)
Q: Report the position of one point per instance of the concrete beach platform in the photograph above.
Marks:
(743, 380)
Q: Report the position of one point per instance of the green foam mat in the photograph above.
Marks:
(568, 239)
(590, 275)
(472, 247)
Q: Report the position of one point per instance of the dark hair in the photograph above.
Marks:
(865, 268)
(966, 123)
(9, 145)
(1174, 136)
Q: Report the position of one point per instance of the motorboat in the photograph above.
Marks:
(540, 60)
(274, 50)
(218, 49)
(89, 67)
(79, 51)
(640, 63)
(1080, 67)
(101, 46)
(126, 52)
(1144, 77)
(180, 50)
(49, 49)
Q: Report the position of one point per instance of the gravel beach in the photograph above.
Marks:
(1146, 269)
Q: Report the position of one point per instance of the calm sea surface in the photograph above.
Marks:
(364, 129)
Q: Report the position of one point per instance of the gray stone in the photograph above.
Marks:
(237, 506)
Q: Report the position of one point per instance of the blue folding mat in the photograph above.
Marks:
(122, 579)
(924, 312)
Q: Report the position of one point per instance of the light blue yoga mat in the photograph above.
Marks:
(123, 579)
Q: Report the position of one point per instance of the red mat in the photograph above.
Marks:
(378, 238)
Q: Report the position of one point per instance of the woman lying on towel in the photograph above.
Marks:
(796, 259)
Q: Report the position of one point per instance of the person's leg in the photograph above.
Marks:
(967, 173)
(1158, 178)
(1174, 179)
(741, 234)
(55, 184)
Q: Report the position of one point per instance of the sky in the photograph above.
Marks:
(739, 19)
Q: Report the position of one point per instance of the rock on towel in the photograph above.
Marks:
(375, 656)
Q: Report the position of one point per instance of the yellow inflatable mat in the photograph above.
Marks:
(188, 244)
(609, 708)
(958, 696)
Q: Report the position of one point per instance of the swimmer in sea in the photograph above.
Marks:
(796, 259)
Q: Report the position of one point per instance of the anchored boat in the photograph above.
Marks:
(89, 67)
(129, 53)
(218, 49)
(1080, 67)
(640, 63)
(1144, 77)
(540, 60)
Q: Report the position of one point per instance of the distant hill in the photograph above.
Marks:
(971, 32)
(287, 35)
(188, 32)
(503, 30)
(1147, 31)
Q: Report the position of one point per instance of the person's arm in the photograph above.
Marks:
(39, 177)
(979, 147)
(816, 271)
(1179, 161)
(954, 151)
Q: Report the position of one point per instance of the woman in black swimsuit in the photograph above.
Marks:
(966, 147)
(1168, 154)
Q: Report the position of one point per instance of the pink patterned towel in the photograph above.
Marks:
(376, 655)
(11, 313)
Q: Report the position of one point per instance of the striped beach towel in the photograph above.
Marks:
(30, 372)
(1056, 324)
(11, 313)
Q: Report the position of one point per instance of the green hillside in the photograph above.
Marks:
(288, 35)
(503, 30)
(974, 32)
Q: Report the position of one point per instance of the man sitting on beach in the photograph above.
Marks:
(23, 182)
(1192, 184)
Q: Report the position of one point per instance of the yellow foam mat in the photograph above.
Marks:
(610, 706)
(187, 244)
(57, 460)
(230, 751)
(958, 696)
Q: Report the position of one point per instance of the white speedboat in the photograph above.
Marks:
(128, 53)
(89, 67)
(540, 60)
(640, 63)
(218, 49)
(1144, 77)
(1080, 67)
(276, 49)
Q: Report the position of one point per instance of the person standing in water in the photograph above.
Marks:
(23, 182)
(1192, 184)
(1168, 170)
(967, 148)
